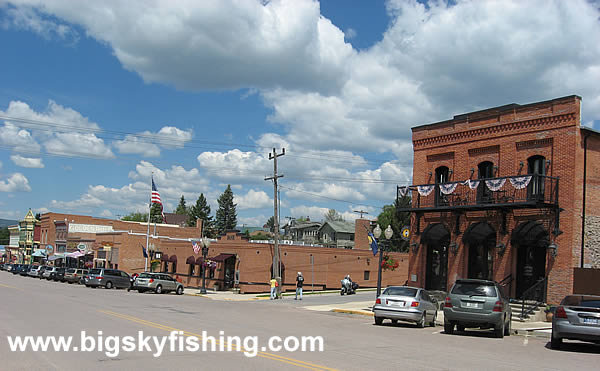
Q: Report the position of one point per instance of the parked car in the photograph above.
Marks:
(75, 274)
(157, 282)
(58, 275)
(16, 268)
(42, 270)
(405, 303)
(107, 278)
(47, 272)
(477, 303)
(9, 267)
(25, 270)
(577, 318)
(34, 271)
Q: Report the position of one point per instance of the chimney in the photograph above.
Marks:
(361, 228)
(199, 224)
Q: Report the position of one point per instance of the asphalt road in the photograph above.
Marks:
(29, 306)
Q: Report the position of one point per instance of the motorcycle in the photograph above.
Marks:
(348, 287)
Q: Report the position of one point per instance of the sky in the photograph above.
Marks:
(96, 97)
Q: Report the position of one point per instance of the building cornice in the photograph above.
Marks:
(494, 130)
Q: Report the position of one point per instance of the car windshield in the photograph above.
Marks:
(95, 271)
(473, 289)
(587, 302)
(147, 275)
(401, 291)
(71, 270)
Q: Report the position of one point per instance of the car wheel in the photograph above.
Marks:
(499, 332)
(141, 291)
(433, 319)
(555, 343)
(395, 321)
(448, 328)
(70, 282)
(460, 328)
(179, 290)
(378, 320)
(421, 323)
(507, 329)
(158, 289)
(109, 285)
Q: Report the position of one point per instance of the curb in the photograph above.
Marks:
(223, 299)
(350, 311)
(532, 332)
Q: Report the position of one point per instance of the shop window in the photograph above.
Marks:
(367, 275)
(165, 267)
(485, 171)
(174, 267)
(191, 270)
(200, 270)
(211, 273)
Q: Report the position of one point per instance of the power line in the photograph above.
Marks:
(329, 198)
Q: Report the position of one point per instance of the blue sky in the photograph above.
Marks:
(95, 96)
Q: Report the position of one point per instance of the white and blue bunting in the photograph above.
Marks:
(448, 188)
(473, 184)
(495, 184)
(425, 190)
(520, 182)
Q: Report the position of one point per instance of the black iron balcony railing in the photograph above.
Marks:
(520, 191)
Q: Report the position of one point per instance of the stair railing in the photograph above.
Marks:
(533, 297)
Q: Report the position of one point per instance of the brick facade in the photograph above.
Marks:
(252, 259)
(508, 137)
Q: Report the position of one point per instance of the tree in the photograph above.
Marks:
(226, 217)
(38, 216)
(333, 216)
(271, 224)
(4, 236)
(136, 217)
(156, 213)
(201, 210)
(389, 216)
(181, 208)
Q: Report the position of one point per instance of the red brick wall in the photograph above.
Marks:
(551, 129)
(361, 228)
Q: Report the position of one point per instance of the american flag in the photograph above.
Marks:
(155, 199)
(196, 247)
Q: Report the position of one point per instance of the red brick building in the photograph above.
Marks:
(239, 263)
(501, 194)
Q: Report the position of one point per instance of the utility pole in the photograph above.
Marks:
(276, 261)
(361, 212)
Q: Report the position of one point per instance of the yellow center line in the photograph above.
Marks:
(10, 287)
(266, 355)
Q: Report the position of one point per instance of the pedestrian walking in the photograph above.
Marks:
(273, 283)
(299, 284)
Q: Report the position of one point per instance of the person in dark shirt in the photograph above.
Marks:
(299, 284)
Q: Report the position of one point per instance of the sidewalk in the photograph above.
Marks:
(232, 296)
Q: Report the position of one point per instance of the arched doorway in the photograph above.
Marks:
(441, 176)
(481, 240)
(485, 170)
(536, 166)
(531, 240)
(437, 238)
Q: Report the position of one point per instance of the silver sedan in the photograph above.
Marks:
(577, 318)
(405, 303)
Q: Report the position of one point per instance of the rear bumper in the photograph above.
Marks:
(471, 319)
(413, 315)
(93, 282)
(565, 330)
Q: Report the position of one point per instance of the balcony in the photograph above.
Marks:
(512, 192)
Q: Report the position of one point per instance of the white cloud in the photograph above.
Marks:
(350, 33)
(62, 130)
(27, 18)
(236, 166)
(200, 45)
(17, 182)
(148, 144)
(27, 161)
(253, 221)
(253, 200)
(106, 213)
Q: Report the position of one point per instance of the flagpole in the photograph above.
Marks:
(148, 231)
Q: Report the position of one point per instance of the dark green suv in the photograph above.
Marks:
(477, 303)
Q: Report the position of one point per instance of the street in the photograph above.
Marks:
(30, 306)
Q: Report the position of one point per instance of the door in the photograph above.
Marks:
(531, 267)
(437, 265)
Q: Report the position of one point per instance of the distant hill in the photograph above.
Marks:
(5, 223)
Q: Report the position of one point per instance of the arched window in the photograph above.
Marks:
(441, 176)
(536, 166)
(485, 171)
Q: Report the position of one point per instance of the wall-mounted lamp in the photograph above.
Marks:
(415, 247)
(454, 248)
(450, 172)
(472, 171)
(495, 169)
(548, 162)
(553, 248)
(501, 248)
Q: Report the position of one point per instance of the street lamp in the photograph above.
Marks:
(205, 244)
(388, 235)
